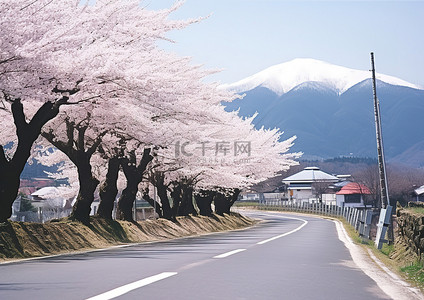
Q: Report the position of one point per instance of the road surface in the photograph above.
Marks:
(285, 257)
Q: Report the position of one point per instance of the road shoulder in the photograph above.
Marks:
(387, 280)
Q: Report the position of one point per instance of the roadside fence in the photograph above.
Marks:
(359, 218)
(41, 215)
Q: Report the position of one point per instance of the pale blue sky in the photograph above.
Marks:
(246, 36)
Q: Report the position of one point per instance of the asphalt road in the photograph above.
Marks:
(284, 257)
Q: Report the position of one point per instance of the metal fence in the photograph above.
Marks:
(45, 215)
(41, 215)
(359, 218)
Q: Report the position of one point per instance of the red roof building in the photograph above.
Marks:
(352, 195)
(354, 188)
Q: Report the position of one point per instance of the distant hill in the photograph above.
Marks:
(332, 114)
(36, 170)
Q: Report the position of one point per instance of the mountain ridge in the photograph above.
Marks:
(284, 77)
(332, 124)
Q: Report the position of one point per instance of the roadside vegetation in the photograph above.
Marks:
(415, 273)
(416, 209)
(401, 262)
(24, 240)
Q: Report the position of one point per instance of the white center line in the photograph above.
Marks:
(132, 286)
(229, 253)
(284, 234)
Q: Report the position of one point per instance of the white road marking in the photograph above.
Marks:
(132, 286)
(229, 253)
(285, 234)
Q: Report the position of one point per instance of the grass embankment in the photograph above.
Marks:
(415, 209)
(24, 240)
(410, 263)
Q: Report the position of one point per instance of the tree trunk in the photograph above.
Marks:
(182, 196)
(204, 201)
(134, 175)
(187, 206)
(109, 189)
(222, 204)
(9, 186)
(27, 133)
(127, 198)
(88, 184)
(163, 196)
(176, 200)
(76, 150)
(153, 203)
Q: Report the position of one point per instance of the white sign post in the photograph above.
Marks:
(383, 224)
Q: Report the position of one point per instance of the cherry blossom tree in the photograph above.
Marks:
(57, 47)
(136, 105)
(226, 155)
(26, 74)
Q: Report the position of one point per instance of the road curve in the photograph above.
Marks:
(284, 257)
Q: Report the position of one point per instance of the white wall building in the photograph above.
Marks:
(304, 185)
(419, 193)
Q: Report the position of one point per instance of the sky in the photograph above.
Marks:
(243, 37)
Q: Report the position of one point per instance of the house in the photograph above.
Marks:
(47, 197)
(419, 193)
(251, 196)
(309, 185)
(352, 195)
(50, 204)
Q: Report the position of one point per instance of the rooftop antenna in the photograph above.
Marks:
(386, 208)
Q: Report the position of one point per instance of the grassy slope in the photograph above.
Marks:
(23, 240)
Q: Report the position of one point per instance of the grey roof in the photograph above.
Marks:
(46, 192)
(310, 174)
(420, 190)
(341, 184)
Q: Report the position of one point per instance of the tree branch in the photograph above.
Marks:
(145, 160)
(46, 112)
(70, 132)
(9, 59)
(96, 143)
(81, 136)
(82, 100)
(75, 90)
(19, 116)
(58, 144)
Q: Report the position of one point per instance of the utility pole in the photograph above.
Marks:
(386, 208)
(385, 201)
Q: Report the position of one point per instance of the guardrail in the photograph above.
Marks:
(359, 218)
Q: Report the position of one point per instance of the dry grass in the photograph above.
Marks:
(23, 240)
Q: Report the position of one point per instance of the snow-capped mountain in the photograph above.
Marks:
(330, 110)
(284, 77)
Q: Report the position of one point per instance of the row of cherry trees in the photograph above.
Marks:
(86, 87)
